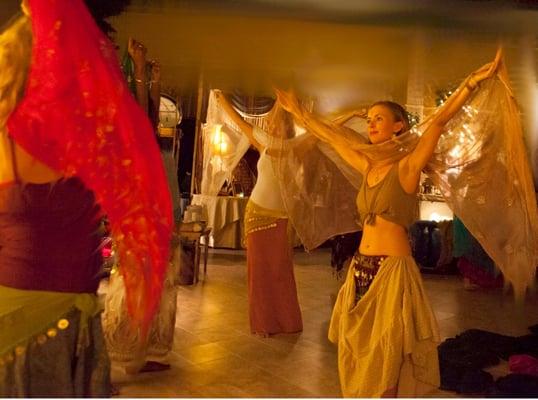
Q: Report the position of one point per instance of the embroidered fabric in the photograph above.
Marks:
(125, 344)
(365, 270)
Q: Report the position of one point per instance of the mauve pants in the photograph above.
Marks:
(272, 293)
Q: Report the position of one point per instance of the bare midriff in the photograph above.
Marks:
(385, 238)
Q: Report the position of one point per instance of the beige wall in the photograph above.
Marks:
(339, 63)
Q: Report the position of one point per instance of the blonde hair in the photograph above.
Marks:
(15, 57)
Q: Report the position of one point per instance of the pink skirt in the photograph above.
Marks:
(272, 293)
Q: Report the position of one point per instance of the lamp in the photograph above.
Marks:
(170, 116)
(220, 141)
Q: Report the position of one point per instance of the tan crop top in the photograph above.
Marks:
(387, 199)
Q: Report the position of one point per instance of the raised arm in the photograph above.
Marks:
(138, 51)
(299, 147)
(342, 139)
(343, 118)
(244, 126)
(155, 89)
(420, 156)
(323, 130)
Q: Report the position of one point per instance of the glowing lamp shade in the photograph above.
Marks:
(435, 211)
(220, 141)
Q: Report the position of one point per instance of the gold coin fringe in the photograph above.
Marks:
(258, 218)
(37, 340)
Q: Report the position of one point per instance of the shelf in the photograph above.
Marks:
(431, 197)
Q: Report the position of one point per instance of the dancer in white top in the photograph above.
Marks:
(273, 304)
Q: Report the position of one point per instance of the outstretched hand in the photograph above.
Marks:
(361, 113)
(155, 71)
(489, 69)
(137, 51)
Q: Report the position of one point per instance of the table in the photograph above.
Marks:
(224, 216)
(196, 238)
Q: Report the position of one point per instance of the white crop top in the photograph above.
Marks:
(266, 192)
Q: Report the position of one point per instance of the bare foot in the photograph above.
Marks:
(154, 366)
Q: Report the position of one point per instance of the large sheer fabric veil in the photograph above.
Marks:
(318, 187)
(223, 147)
(311, 184)
(480, 165)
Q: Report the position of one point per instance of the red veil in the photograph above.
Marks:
(78, 117)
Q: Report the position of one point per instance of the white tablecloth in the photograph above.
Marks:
(224, 215)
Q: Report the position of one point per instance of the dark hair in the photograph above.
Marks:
(399, 113)
(102, 9)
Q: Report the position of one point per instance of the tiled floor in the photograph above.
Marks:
(215, 355)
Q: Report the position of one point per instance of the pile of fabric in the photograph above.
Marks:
(462, 361)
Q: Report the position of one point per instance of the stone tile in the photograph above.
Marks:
(183, 339)
(203, 353)
(214, 354)
(267, 385)
(216, 334)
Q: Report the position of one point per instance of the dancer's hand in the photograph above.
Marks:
(155, 68)
(361, 113)
(486, 71)
(137, 51)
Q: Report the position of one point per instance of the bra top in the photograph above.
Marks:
(266, 192)
(387, 199)
(49, 235)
